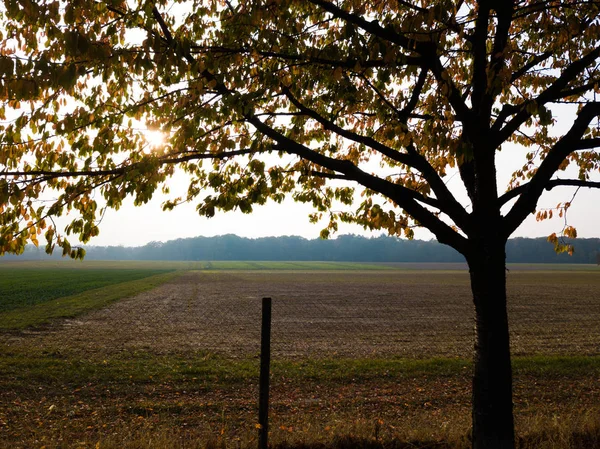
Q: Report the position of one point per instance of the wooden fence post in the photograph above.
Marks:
(265, 367)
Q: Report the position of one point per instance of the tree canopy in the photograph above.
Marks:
(259, 99)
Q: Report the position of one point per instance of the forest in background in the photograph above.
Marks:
(350, 248)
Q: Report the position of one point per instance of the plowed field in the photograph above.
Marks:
(344, 314)
(380, 355)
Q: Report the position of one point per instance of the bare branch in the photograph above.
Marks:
(49, 174)
(551, 184)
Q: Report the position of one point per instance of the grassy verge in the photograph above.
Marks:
(43, 365)
(142, 400)
(74, 305)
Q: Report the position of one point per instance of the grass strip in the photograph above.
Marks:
(366, 369)
(75, 305)
(25, 287)
(556, 366)
(227, 265)
(31, 366)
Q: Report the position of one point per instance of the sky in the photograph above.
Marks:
(136, 226)
(132, 226)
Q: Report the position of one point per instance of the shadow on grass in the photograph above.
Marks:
(349, 442)
(576, 440)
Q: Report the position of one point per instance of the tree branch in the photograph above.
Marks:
(447, 203)
(166, 160)
(320, 174)
(463, 113)
(504, 13)
(414, 98)
(426, 49)
(531, 64)
(383, 97)
(479, 80)
(405, 198)
(579, 90)
(373, 27)
(162, 24)
(349, 63)
(553, 92)
(549, 186)
(567, 144)
(395, 155)
(588, 144)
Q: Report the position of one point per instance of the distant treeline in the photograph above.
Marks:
(349, 248)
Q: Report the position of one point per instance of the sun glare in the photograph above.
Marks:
(155, 140)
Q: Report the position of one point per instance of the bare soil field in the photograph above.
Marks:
(334, 314)
(176, 367)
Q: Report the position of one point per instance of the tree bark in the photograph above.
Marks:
(493, 423)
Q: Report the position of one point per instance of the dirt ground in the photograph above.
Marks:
(413, 314)
(334, 314)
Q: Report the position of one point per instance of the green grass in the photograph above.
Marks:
(25, 286)
(297, 266)
(61, 367)
(217, 265)
(29, 313)
(549, 366)
(544, 267)
(340, 370)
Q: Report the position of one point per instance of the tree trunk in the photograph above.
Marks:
(493, 424)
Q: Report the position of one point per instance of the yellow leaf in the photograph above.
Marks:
(337, 74)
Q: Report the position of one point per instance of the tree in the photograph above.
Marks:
(392, 96)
